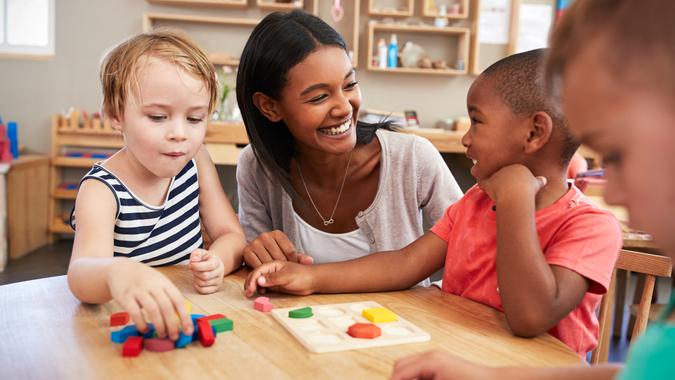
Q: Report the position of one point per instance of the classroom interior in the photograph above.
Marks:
(51, 100)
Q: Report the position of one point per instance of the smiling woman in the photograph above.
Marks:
(316, 184)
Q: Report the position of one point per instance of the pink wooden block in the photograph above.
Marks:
(159, 344)
(262, 304)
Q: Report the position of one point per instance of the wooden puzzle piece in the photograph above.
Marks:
(304, 312)
(183, 340)
(262, 304)
(159, 344)
(379, 315)
(120, 336)
(119, 319)
(364, 331)
(222, 324)
(205, 333)
(132, 346)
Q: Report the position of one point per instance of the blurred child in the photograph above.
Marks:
(613, 61)
(523, 240)
(144, 206)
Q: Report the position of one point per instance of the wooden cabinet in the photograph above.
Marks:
(391, 8)
(27, 198)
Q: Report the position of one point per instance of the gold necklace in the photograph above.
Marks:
(330, 220)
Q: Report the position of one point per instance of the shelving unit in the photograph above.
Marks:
(350, 32)
(217, 58)
(430, 8)
(272, 5)
(457, 36)
(391, 8)
(209, 3)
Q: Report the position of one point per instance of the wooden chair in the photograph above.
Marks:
(645, 264)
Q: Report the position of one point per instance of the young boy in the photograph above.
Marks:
(145, 205)
(523, 240)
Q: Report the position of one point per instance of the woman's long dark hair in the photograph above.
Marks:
(278, 43)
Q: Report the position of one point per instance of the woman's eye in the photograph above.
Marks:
(317, 99)
(351, 85)
(474, 121)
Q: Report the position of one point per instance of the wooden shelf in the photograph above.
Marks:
(223, 60)
(374, 10)
(273, 6)
(461, 35)
(220, 132)
(73, 162)
(150, 18)
(208, 3)
(64, 194)
(429, 9)
(410, 70)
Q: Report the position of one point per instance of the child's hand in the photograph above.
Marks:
(280, 276)
(512, 179)
(208, 270)
(270, 246)
(138, 288)
(439, 365)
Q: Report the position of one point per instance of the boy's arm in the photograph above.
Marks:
(95, 276)
(92, 255)
(217, 214)
(535, 295)
(384, 271)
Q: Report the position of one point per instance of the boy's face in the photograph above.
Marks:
(320, 103)
(633, 127)
(165, 117)
(496, 136)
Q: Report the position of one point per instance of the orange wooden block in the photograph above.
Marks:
(364, 331)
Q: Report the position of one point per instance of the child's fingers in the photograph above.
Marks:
(209, 262)
(168, 312)
(206, 289)
(151, 308)
(197, 255)
(411, 367)
(251, 283)
(208, 276)
(179, 304)
(135, 313)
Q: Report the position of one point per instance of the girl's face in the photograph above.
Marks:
(633, 127)
(321, 100)
(165, 117)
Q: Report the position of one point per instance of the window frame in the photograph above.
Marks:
(8, 50)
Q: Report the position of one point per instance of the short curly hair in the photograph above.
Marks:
(519, 80)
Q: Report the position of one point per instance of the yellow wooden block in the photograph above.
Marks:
(379, 315)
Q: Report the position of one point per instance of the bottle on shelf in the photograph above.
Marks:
(382, 54)
(392, 61)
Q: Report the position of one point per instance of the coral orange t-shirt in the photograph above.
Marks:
(574, 233)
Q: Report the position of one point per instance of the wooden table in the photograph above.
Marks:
(47, 333)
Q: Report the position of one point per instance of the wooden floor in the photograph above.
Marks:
(52, 260)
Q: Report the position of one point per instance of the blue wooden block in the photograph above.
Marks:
(183, 340)
(120, 336)
(151, 331)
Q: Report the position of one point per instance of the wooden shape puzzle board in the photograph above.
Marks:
(326, 330)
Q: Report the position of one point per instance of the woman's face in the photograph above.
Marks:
(321, 100)
(633, 127)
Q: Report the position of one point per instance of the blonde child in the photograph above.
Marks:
(145, 205)
(613, 61)
(523, 240)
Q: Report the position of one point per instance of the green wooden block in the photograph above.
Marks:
(222, 324)
(304, 312)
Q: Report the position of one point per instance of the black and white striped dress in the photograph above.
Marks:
(157, 236)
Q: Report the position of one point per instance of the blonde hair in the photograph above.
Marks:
(639, 37)
(120, 66)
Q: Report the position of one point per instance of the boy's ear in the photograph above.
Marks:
(267, 106)
(115, 120)
(541, 128)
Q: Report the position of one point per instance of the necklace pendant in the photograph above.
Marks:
(329, 221)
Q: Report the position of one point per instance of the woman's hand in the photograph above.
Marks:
(270, 246)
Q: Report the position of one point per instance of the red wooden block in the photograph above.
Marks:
(132, 346)
(119, 319)
(159, 344)
(205, 332)
(213, 316)
(364, 331)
